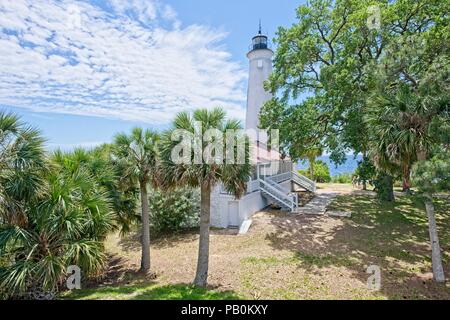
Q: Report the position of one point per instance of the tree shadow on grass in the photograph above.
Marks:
(118, 272)
(151, 291)
(392, 236)
(132, 241)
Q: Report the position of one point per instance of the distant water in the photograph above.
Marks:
(348, 167)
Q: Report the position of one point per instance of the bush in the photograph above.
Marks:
(174, 211)
(304, 173)
(321, 172)
(344, 178)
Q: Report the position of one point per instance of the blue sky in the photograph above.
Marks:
(82, 71)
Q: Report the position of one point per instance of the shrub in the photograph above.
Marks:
(174, 211)
(321, 172)
(304, 173)
(343, 178)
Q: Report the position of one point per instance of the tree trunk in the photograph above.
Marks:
(201, 277)
(436, 258)
(438, 270)
(407, 179)
(365, 160)
(312, 162)
(145, 259)
(385, 186)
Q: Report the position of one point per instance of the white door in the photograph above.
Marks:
(233, 214)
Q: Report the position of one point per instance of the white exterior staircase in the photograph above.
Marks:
(271, 189)
(271, 183)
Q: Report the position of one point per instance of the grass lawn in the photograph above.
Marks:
(150, 292)
(292, 257)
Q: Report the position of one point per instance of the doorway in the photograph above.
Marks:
(233, 214)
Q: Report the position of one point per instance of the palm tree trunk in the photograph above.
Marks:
(312, 162)
(436, 258)
(365, 158)
(407, 179)
(201, 277)
(386, 187)
(438, 270)
(145, 259)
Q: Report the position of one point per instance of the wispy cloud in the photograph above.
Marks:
(130, 60)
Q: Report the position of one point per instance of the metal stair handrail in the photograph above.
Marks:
(275, 185)
(287, 200)
(305, 182)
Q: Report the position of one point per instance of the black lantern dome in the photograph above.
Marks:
(259, 41)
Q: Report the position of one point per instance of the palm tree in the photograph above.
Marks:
(22, 161)
(204, 176)
(137, 154)
(312, 154)
(401, 121)
(399, 127)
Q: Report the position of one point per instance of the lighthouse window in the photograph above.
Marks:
(259, 42)
(260, 64)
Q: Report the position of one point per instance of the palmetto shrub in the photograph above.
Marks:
(66, 225)
(109, 174)
(51, 215)
(176, 210)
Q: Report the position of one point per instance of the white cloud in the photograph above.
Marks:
(141, 10)
(134, 62)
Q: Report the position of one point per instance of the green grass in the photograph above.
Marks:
(390, 229)
(323, 260)
(264, 261)
(405, 210)
(150, 292)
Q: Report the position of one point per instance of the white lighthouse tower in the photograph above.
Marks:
(260, 58)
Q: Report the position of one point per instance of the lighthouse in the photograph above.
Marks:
(274, 179)
(260, 68)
